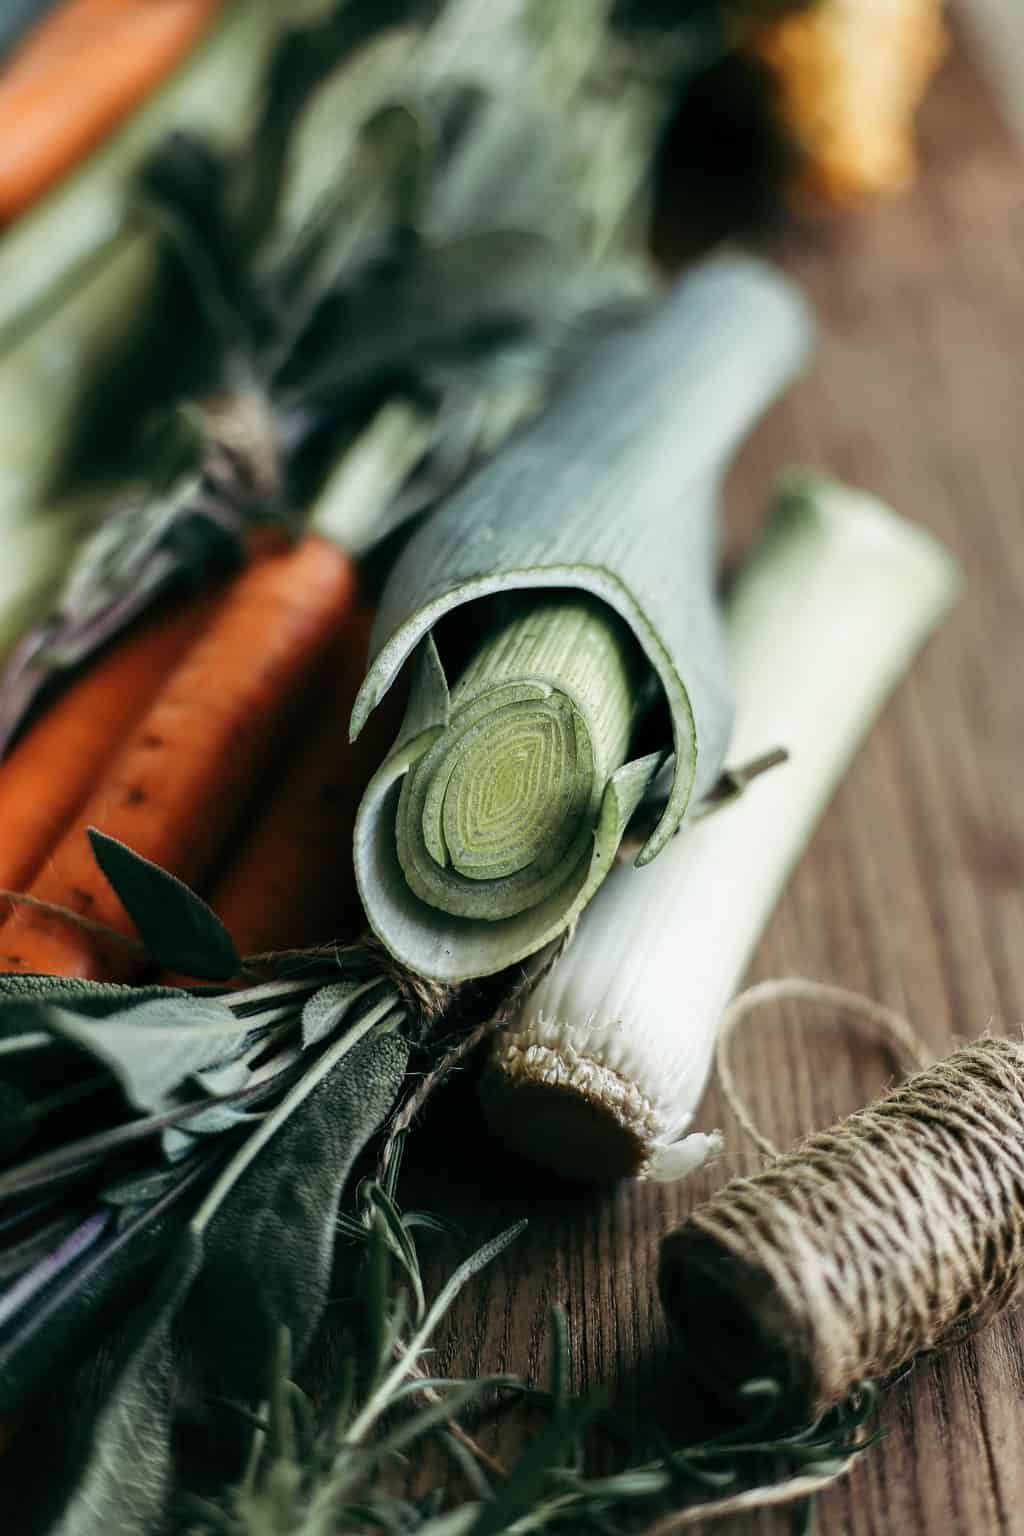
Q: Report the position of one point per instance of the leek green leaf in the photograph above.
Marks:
(577, 571)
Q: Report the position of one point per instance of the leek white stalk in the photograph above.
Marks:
(602, 1073)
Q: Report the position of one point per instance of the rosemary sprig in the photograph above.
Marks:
(333, 1472)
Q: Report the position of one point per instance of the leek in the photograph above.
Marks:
(601, 1074)
(578, 567)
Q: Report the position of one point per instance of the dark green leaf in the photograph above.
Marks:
(95, 999)
(177, 927)
(270, 1244)
(635, 1483)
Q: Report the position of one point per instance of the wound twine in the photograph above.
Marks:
(891, 1233)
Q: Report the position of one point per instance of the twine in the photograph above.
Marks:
(908, 1052)
(69, 915)
(888, 1235)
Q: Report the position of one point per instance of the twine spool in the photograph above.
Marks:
(889, 1234)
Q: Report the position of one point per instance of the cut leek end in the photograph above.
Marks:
(807, 501)
(576, 1130)
(501, 808)
(448, 948)
(413, 637)
(568, 1107)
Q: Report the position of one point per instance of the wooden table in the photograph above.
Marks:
(913, 889)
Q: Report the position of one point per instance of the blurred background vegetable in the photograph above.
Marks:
(77, 74)
(93, 339)
(847, 79)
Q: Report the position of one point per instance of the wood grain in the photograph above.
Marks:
(913, 889)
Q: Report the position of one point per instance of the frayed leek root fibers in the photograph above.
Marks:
(602, 1073)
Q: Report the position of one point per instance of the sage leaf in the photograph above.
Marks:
(177, 927)
(269, 1245)
(153, 1049)
(215, 1120)
(96, 999)
(140, 1188)
(123, 1483)
(228, 1076)
(329, 1006)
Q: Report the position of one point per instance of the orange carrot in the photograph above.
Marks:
(290, 883)
(52, 768)
(179, 786)
(76, 75)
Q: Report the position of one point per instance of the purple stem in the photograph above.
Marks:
(49, 1268)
